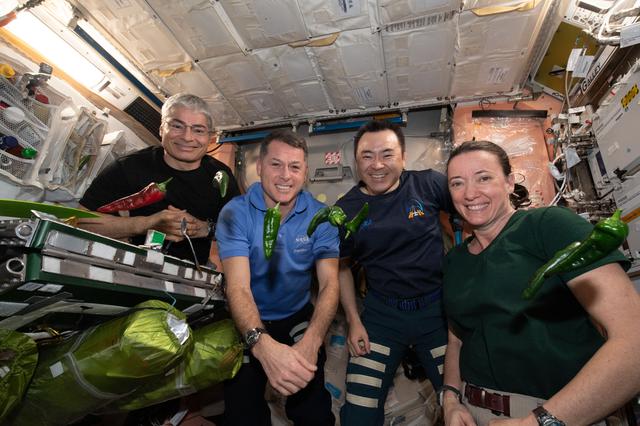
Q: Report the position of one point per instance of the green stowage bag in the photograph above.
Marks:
(216, 356)
(104, 363)
(18, 359)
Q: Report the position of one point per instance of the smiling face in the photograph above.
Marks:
(283, 172)
(380, 161)
(184, 148)
(480, 190)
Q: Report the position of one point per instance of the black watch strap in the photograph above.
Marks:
(211, 229)
(445, 388)
(252, 336)
(545, 418)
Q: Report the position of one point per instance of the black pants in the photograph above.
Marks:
(244, 394)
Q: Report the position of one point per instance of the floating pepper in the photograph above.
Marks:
(221, 180)
(606, 236)
(334, 214)
(354, 224)
(271, 226)
(150, 194)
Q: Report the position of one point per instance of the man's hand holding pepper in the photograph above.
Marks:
(286, 368)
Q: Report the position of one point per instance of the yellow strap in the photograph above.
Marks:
(495, 10)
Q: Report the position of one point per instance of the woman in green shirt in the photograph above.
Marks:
(570, 355)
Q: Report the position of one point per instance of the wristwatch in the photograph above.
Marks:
(211, 229)
(252, 336)
(545, 418)
(450, 388)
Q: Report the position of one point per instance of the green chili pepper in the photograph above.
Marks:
(606, 236)
(337, 216)
(334, 214)
(354, 224)
(221, 180)
(271, 226)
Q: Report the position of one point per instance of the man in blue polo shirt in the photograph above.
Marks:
(269, 299)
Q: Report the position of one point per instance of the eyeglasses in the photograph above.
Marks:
(177, 127)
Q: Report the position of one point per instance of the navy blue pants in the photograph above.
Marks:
(244, 394)
(391, 331)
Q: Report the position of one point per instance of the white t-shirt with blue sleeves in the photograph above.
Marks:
(280, 285)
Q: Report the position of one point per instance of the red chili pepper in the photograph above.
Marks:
(150, 194)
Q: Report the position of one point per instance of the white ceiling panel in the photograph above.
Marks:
(138, 30)
(493, 49)
(266, 23)
(353, 70)
(235, 74)
(419, 62)
(224, 115)
(400, 10)
(293, 78)
(386, 54)
(490, 76)
(325, 17)
(197, 27)
(505, 33)
(194, 81)
(241, 81)
(258, 106)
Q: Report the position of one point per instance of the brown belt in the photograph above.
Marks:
(498, 404)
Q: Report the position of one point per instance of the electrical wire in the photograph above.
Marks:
(556, 199)
(215, 149)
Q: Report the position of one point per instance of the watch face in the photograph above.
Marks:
(252, 336)
(546, 419)
(552, 421)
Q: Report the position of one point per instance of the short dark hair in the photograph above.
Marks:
(520, 196)
(286, 136)
(375, 126)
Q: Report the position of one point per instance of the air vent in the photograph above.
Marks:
(424, 21)
(146, 115)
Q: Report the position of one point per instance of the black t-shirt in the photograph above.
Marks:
(189, 190)
(400, 243)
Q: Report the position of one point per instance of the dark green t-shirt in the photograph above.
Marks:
(533, 347)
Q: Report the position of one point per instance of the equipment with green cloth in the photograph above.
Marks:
(216, 356)
(18, 359)
(103, 363)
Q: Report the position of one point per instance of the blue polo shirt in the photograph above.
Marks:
(281, 285)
